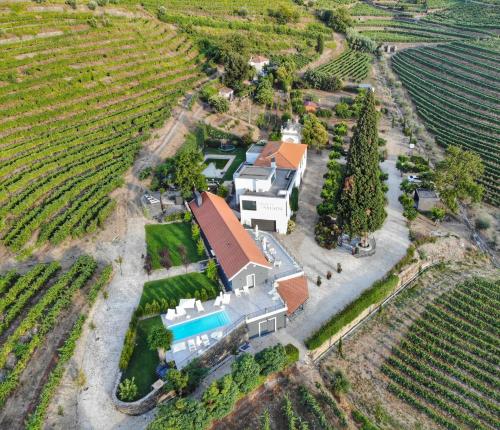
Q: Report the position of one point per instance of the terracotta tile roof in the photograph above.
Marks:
(258, 59)
(294, 292)
(232, 244)
(287, 155)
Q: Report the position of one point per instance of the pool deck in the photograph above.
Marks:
(258, 301)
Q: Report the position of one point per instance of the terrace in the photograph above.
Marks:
(237, 307)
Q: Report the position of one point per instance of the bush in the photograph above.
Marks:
(292, 353)
(71, 3)
(294, 199)
(102, 3)
(146, 172)
(339, 383)
(272, 359)
(92, 5)
(322, 81)
(127, 390)
(376, 293)
(245, 371)
(483, 222)
(219, 104)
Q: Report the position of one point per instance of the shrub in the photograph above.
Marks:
(160, 338)
(219, 104)
(211, 270)
(146, 172)
(376, 293)
(195, 231)
(200, 247)
(245, 371)
(339, 383)
(127, 390)
(71, 3)
(102, 3)
(483, 222)
(294, 199)
(92, 5)
(292, 353)
(272, 359)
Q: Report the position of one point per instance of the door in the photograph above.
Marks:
(251, 281)
(264, 224)
(267, 326)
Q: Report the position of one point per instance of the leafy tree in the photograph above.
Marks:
(342, 110)
(189, 171)
(408, 204)
(322, 81)
(362, 201)
(195, 231)
(200, 247)
(314, 133)
(160, 338)
(236, 69)
(211, 270)
(284, 76)
(127, 390)
(339, 19)
(165, 258)
(177, 380)
(220, 396)
(456, 178)
(264, 93)
(245, 371)
(320, 44)
(271, 359)
(185, 414)
(219, 104)
(207, 92)
(284, 14)
(360, 42)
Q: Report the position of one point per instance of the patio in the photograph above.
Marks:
(257, 301)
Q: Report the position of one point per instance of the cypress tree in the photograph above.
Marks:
(362, 201)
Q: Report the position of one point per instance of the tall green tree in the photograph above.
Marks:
(314, 133)
(362, 201)
(320, 44)
(264, 93)
(189, 172)
(236, 69)
(456, 178)
(245, 371)
(220, 396)
(160, 338)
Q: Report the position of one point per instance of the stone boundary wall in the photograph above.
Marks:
(406, 276)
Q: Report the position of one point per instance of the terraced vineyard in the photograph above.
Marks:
(78, 95)
(33, 306)
(447, 365)
(456, 90)
(350, 64)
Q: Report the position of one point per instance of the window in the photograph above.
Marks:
(249, 205)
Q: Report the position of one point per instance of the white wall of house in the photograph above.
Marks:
(267, 208)
(247, 184)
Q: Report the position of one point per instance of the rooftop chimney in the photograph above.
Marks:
(197, 197)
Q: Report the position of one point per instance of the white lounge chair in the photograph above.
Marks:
(198, 341)
(226, 298)
(192, 345)
(246, 289)
(170, 315)
(237, 292)
(216, 335)
(179, 346)
(218, 301)
(187, 303)
(205, 340)
(180, 311)
(199, 306)
(277, 263)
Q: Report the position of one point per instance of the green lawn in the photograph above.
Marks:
(143, 362)
(170, 236)
(219, 162)
(178, 287)
(239, 153)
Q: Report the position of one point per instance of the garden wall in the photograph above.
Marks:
(140, 406)
(406, 275)
(225, 347)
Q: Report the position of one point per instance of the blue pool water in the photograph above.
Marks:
(199, 325)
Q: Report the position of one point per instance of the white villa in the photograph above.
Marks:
(263, 194)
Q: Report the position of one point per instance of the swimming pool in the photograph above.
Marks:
(199, 325)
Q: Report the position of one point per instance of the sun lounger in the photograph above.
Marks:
(187, 303)
(237, 292)
(170, 315)
(199, 306)
(218, 301)
(198, 341)
(205, 340)
(192, 345)
(246, 290)
(180, 311)
(226, 298)
(216, 335)
(180, 346)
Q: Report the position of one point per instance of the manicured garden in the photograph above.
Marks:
(143, 362)
(172, 237)
(239, 153)
(219, 162)
(179, 287)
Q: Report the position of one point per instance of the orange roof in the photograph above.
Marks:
(294, 292)
(287, 155)
(231, 243)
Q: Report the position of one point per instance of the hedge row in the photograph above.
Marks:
(378, 291)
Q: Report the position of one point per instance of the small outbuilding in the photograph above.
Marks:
(425, 199)
(227, 93)
(259, 62)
